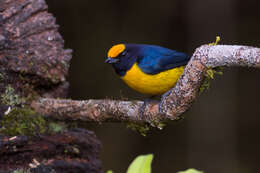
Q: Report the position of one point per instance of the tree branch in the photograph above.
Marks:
(178, 101)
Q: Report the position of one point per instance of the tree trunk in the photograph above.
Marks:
(33, 63)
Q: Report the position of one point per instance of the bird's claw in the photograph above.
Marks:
(148, 100)
(142, 108)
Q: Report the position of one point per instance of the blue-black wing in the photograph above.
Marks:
(155, 59)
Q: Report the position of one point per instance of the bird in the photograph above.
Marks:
(148, 69)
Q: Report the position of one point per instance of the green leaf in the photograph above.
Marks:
(191, 171)
(141, 164)
(109, 171)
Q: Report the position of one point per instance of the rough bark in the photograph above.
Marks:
(34, 63)
(72, 151)
(178, 101)
(32, 58)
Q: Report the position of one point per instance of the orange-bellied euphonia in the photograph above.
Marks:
(148, 69)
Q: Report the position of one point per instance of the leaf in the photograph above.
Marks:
(109, 171)
(141, 164)
(191, 171)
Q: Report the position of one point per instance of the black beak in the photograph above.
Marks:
(111, 60)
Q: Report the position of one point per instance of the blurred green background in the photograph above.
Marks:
(220, 133)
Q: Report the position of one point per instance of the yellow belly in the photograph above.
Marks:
(152, 84)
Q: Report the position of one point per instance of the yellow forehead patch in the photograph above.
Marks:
(116, 50)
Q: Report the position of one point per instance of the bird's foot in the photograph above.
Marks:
(146, 102)
(162, 99)
(142, 108)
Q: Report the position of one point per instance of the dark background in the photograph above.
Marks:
(220, 134)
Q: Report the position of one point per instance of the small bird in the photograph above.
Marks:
(148, 69)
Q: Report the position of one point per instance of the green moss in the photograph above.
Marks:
(72, 150)
(39, 168)
(141, 128)
(210, 72)
(21, 171)
(23, 121)
(10, 98)
(44, 68)
(75, 150)
(180, 118)
(55, 127)
(31, 64)
(65, 64)
(2, 76)
(158, 124)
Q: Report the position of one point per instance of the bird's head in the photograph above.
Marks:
(122, 57)
(116, 53)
